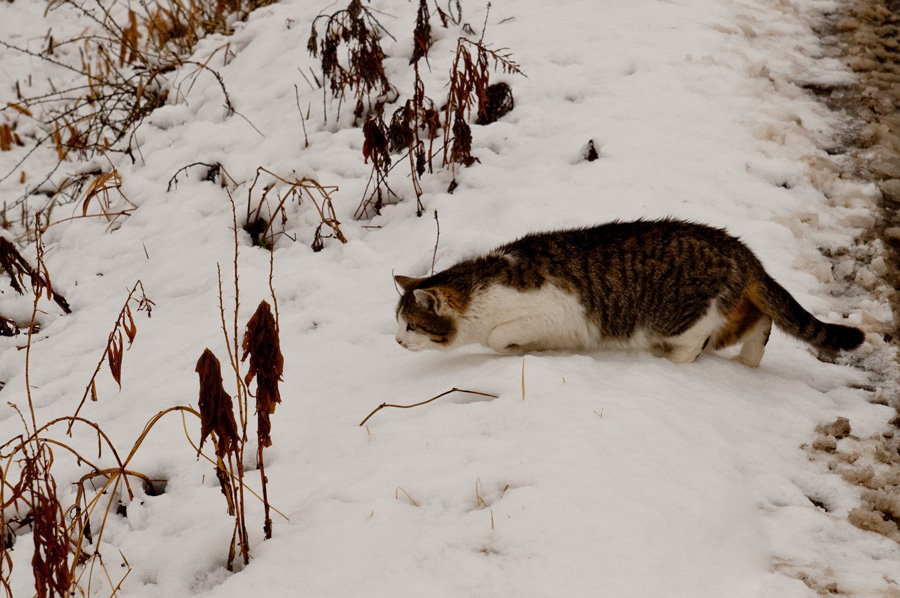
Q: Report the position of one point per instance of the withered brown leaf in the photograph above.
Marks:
(114, 354)
(262, 345)
(216, 409)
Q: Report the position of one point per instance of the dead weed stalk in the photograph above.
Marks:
(261, 345)
(112, 76)
(469, 83)
(17, 268)
(67, 539)
(115, 349)
(418, 122)
(362, 72)
(259, 226)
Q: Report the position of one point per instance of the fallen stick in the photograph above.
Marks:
(383, 405)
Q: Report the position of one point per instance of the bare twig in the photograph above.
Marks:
(383, 405)
(302, 118)
(436, 241)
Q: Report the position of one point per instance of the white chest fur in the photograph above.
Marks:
(508, 320)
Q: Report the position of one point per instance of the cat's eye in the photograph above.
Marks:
(411, 327)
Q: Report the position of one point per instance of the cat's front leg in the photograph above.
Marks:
(517, 336)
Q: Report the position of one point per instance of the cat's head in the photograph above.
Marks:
(426, 317)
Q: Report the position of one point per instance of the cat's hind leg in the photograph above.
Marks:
(688, 345)
(754, 343)
(748, 325)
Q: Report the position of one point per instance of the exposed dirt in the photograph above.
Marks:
(865, 35)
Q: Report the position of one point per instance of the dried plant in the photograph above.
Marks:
(8, 135)
(411, 124)
(52, 576)
(58, 534)
(118, 74)
(17, 267)
(260, 226)
(262, 345)
(212, 173)
(362, 73)
(469, 82)
(376, 149)
(497, 102)
(216, 408)
(100, 185)
(422, 33)
(114, 353)
(217, 420)
(66, 545)
(418, 121)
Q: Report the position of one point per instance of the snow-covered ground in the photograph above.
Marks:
(609, 474)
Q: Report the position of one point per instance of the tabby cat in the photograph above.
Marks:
(671, 287)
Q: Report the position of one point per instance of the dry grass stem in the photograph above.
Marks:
(452, 390)
(212, 462)
(523, 378)
(411, 499)
(115, 349)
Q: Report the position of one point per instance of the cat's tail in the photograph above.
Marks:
(774, 301)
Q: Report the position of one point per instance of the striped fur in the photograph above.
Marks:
(671, 287)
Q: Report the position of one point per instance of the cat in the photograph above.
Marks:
(671, 287)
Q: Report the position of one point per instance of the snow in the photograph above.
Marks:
(613, 474)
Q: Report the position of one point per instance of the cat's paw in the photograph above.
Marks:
(506, 348)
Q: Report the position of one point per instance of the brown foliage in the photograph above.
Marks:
(421, 34)
(216, 407)
(418, 118)
(362, 73)
(114, 353)
(123, 60)
(51, 543)
(261, 344)
(497, 102)
(17, 267)
(469, 82)
(50, 563)
(8, 136)
(376, 148)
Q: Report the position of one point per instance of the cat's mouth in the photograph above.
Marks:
(407, 346)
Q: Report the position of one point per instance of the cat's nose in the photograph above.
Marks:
(399, 342)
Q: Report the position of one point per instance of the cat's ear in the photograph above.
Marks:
(430, 299)
(406, 283)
